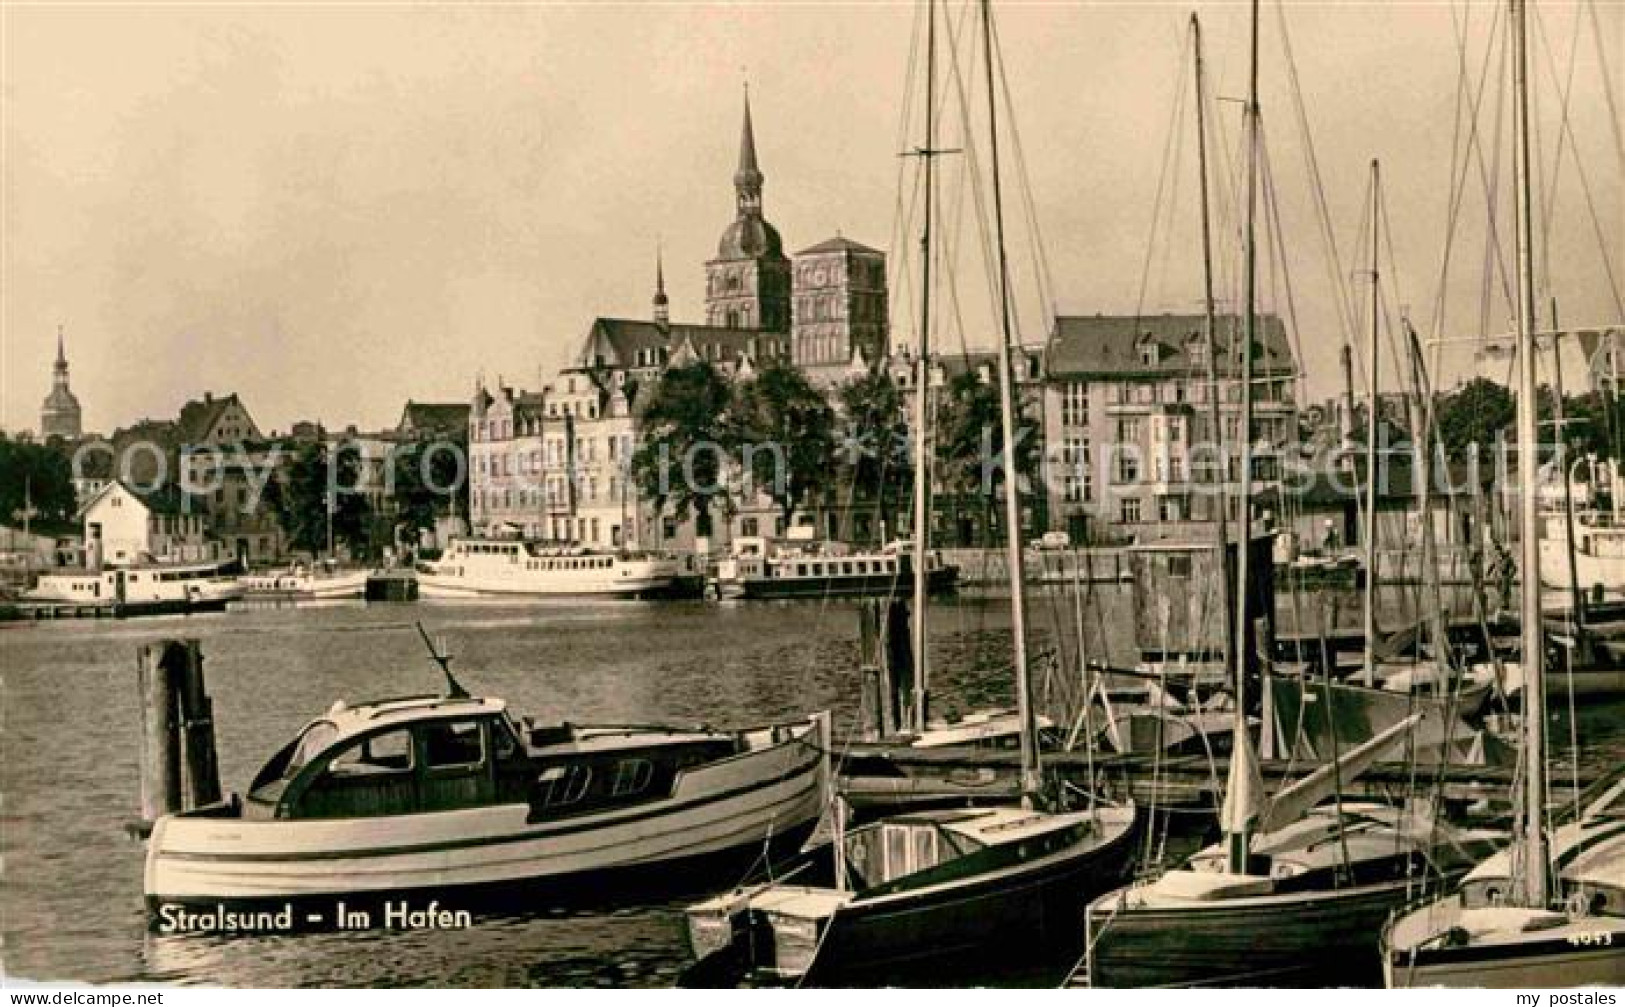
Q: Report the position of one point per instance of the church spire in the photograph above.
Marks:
(662, 310)
(61, 353)
(748, 178)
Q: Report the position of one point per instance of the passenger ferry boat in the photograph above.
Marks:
(472, 567)
(758, 568)
(301, 582)
(144, 589)
(451, 794)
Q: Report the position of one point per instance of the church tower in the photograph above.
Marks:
(60, 416)
(660, 304)
(747, 286)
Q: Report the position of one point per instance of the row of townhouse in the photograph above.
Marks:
(1122, 405)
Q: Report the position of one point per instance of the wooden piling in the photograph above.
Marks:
(200, 770)
(179, 767)
(160, 753)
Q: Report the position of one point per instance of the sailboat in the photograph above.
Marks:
(921, 894)
(1550, 911)
(1294, 893)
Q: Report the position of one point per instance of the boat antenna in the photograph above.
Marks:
(454, 688)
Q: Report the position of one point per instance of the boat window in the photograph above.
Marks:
(632, 776)
(311, 744)
(452, 743)
(387, 752)
(504, 740)
(564, 785)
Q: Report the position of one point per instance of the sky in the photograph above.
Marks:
(333, 209)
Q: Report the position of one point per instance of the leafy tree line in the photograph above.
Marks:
(704, 437)
(38, 477)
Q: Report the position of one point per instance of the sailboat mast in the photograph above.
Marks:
(1533, 840)
(1030, 782)
(922, 387)
(1215, 420)
(1239, 838)
(1368, 673)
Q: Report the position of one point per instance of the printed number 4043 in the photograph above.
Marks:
(1599, 938)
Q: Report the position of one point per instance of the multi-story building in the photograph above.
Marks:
(1130, 447)
(60, 415)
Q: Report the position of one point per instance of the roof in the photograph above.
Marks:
(443, 417)
(840, 244)
(353, 720)
(166, 499)
(1110, 344)
(749, 237)
(616, 342)
(199, 416)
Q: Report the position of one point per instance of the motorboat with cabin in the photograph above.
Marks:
(476, 567)
(452, 794)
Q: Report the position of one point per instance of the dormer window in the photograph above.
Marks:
(1150, 354)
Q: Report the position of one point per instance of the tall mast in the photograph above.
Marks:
(1368, 674)
(922, 387)
(1030, 782)
(1533, 840)
(1215, 419)
(1239, 828)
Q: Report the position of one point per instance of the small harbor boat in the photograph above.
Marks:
(1476, 937)
(451, 794)
(758, 568)
(299, 582)
(144, 588)
(1303, 913)
(473, 567)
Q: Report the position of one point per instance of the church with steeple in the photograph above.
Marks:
(823, 311)
(60, 415)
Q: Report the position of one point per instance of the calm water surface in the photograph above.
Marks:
(70, 898)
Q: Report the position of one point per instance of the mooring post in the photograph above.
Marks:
(160, 753)
(899, 663)
(200, 770)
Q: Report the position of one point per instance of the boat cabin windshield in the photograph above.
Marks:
(314, 741)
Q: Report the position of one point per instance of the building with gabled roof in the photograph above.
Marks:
(1130, 449)
(124, 525)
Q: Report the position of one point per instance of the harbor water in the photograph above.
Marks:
(70, 896)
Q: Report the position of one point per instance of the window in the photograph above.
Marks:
(1149, 354)
(1075, 404)
(452, 743)
(1128, 430)
(1128, 468)
(387, 752)
(632, 776)
(1128, 511)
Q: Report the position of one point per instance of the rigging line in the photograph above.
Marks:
(970, 164)
(1468, 101)
(1565, 91)
(1157, 202)
(902, 214)
(1312, 167)
(1566, 130)
(1607, 84)
(1044, 277)
(1272, 226)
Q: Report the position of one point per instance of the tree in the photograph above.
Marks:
(36, 476)
(876, 450)
(431, 481)
(970, 444)
(1476, 413)
(782, 431)
(686, 441)
(300, 498)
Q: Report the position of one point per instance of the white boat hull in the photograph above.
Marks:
(731, 805)
(1586, 951)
